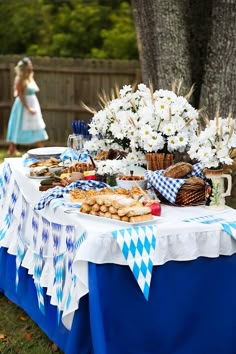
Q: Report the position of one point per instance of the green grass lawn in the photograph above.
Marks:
(18, 333)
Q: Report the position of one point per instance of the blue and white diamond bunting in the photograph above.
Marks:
(137, 245)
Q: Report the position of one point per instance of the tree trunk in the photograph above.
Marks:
(199, 27)
(219, 84)
(163, 41)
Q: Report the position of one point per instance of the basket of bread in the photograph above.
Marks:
(181, 184)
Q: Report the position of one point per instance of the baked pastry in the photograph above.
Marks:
(178, 170)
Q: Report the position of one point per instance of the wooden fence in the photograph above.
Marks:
(65, 83)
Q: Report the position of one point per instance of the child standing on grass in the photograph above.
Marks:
(26, 124)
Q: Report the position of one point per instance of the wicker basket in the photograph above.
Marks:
(193, 192)
(159, 161)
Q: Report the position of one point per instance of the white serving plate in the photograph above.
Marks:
(46, 152)
(122, 183)
(36, 177)
(90, 217)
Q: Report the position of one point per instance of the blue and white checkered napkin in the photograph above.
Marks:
(28, 161)
(169, 187)
(69, 154)
(55, 203)
(137, 245)
(58, 192)
(228, 226)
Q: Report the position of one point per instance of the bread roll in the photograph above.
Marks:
(86, 208)
(95, 207)
(179, 170)
(104, 208)
(141, 218)
(115, 217)
(122, 202)
(133, 211)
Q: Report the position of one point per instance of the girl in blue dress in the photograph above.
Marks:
(26, 124)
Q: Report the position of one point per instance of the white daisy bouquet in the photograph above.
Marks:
(214, 146)
(111, 167)
(144, 120)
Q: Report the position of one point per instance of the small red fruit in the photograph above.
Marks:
(155, 207)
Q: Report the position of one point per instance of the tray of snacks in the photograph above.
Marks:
(118, 205)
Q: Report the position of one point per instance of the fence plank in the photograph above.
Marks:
(65, 83)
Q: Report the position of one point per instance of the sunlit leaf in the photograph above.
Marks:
(3, 337)
(22, 318)
(28, 336)
(54, 347)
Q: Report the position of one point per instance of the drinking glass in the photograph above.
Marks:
(75, 142)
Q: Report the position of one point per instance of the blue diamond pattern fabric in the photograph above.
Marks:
(8, 217)
(137, 245)
(228, 226)
(21, 247)
(169, 187)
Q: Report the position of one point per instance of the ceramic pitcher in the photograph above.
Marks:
(218, 193)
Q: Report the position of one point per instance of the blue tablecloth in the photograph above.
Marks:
(191, 309)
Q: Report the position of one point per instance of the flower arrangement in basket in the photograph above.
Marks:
(144, 121)
(215, 146)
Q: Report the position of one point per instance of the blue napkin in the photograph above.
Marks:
(69, 154)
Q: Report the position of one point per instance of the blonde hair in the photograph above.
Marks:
(24, 73)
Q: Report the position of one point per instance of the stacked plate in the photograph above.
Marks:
(46, 152)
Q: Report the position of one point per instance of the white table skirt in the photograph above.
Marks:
(175, 240)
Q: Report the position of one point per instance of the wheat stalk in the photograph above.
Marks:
(89, 109)
(189, 94)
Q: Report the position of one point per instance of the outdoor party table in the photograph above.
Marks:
(94, 286)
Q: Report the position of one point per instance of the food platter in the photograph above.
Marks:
(89, 217)
(46, 152)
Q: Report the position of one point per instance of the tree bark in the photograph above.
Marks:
(219, 83)
(163, 41)
(199, 27)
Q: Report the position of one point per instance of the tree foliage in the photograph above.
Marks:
(68, 28)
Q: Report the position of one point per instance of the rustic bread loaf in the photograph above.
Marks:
(178, 170)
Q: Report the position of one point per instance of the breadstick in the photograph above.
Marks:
(103, 208)
(141, 218)
(139, 211)
(95, 207)
(115, 216)
(112, 210)
(86, 208)
(133, 211)
(93, 212)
